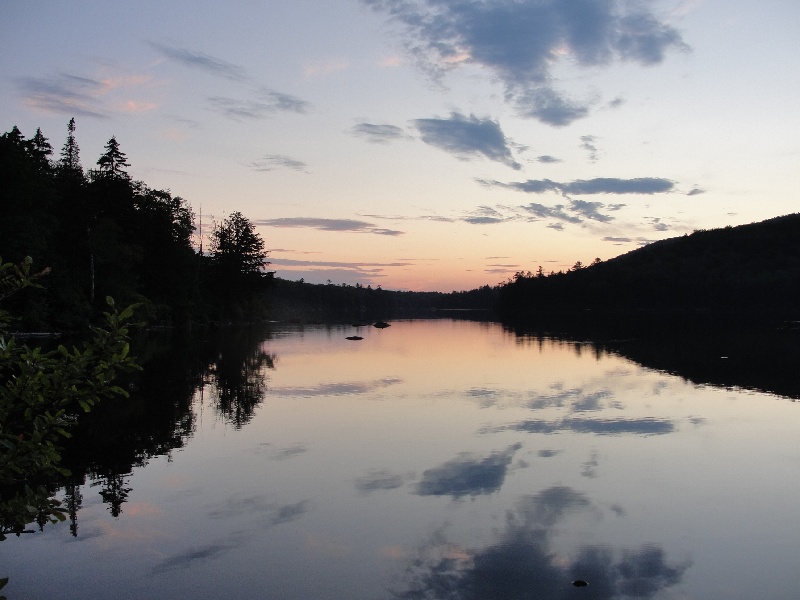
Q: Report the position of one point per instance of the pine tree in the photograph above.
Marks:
(113, 161)
(70, 161)
(41, 150)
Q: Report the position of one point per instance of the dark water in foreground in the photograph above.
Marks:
(433, 459)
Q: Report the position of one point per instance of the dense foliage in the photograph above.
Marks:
(41, 394)
(105, 234)
(750, 267)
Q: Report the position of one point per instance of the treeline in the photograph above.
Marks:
(750, 267)
(326, 303)
(100, 233)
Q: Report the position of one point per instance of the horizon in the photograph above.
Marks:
(427, 146)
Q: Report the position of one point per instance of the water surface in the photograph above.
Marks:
(432, 459)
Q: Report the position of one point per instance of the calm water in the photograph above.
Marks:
(432, 459)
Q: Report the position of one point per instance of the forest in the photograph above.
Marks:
(754, 267)
(96, 233)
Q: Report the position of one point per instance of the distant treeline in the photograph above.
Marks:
(100, 234)
(325, 303)
(750, 267)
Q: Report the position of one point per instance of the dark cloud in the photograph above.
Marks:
(467, 475)
(524, 562)
(599, 185)
(266, 105)
(617, 240)
(546, 158)
(64, 94)
(202, 61)
(522, 42)
(466, 137)
(613, 185)
(351, 225)
(590, 210)
(378, 133)
(549, 106)
(270, 162)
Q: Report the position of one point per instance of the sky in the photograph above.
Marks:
(431, 145)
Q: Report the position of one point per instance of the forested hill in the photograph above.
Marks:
(753, 267)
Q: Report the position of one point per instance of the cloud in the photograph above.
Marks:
(377, 133)
(486, 215)
(466, 137)
(63, 94)
(267, 104)
(468, 476)
(521, 43)
(600, 185)
(270, 162)
(547, 212)
(549, 106)
(350, 225)
(695, 191)
(199, 60)
(547, 159)
(590, 210)
(588, 144)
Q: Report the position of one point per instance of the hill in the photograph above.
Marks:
(749, 267)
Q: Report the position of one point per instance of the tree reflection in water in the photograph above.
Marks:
(159, 416)
(237, 372)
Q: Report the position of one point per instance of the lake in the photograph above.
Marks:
(447, 459)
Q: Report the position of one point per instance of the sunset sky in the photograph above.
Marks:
(427, 144)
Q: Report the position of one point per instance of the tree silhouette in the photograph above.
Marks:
(113, 161)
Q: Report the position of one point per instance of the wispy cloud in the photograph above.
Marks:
(348, 225)
(599, 185)
(77, 95)
(271, 162)
(521, 43)
(200, 60)
(486, 215)
(64, 94)
(467, 137)
(378, 133)
(588, 143)
(265, 105)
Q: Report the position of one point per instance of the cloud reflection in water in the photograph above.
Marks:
(467, 475)
(523, 562)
